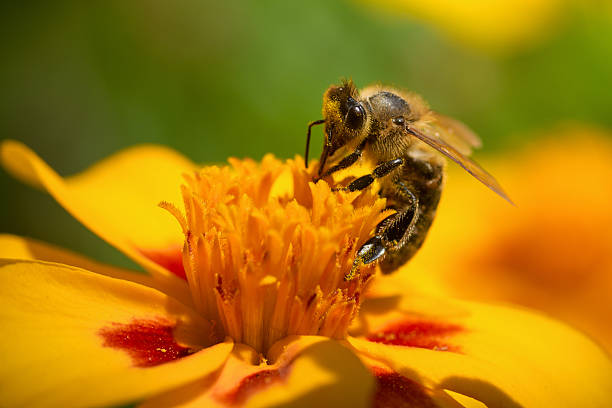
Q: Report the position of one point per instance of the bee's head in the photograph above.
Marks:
(345, 117)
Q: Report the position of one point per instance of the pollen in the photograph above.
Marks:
(266, 250)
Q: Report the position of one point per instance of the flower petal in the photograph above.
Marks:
(118, 199)
(324, 374)
(75, 338)
(396, 390)
(498, 355)
(15, 247)
(552, 252)
(308, 371)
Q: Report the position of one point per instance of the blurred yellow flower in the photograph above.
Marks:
(246, 303)
(494, 26)
(552, 252)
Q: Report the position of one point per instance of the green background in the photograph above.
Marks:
(82, 80)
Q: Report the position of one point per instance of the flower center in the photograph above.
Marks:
(266, 250)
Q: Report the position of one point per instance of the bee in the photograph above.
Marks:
(407, 141)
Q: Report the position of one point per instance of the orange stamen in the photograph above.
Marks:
(266, 250)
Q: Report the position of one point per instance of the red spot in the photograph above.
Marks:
(170, 258)
(251, 384)
(148, 342)
(395, 390)
(423, 334)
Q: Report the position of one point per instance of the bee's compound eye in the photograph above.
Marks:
(399, 121)
(355, 117)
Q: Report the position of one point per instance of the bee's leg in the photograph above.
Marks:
(373, 249)
(391, 233)
(345, 162)
(397, 229)
(380, 171)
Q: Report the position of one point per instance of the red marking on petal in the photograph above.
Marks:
(170, 258)
(423, 334)
(148, 342)
(395, 390)
(251, 384)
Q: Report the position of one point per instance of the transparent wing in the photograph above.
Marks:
(469, 165)
(452, 132)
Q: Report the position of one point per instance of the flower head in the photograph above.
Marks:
(246, 303)
(266, 261)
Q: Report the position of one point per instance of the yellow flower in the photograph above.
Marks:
(498, 27)
(246, 303)
(552, 252)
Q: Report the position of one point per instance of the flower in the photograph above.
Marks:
(246, 303)
(552, 252)
(500, 27)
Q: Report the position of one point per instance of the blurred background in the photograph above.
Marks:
(82, 80)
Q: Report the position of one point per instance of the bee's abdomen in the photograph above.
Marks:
(425, 180)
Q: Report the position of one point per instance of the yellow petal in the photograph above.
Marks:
(70, 337)
(308, 371)
(553, 252)
(118, 199)
(465, 401)
(15, 247)
(497, 355)
(324, 374)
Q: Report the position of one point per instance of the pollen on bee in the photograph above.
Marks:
(266, 250)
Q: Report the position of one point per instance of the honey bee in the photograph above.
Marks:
(404, 138)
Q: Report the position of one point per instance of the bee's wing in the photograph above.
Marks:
(453, 132)
(469, 165)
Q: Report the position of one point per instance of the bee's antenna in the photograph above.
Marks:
(310, 125)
